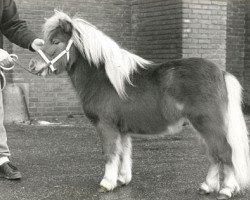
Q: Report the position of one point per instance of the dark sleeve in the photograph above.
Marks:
(13, 28)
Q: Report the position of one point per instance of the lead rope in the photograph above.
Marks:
(14, 57)
(15, 60)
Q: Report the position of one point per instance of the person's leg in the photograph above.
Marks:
(4, 149)
(7, 170)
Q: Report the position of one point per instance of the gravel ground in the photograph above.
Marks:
(64, 162)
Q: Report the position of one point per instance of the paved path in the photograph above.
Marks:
(65, 163)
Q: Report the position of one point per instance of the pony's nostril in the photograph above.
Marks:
(32, 65)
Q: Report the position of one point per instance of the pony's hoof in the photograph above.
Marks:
(106, 186)
(203, 192)
(102, 190)
(225, 193)
(223, 196)
(124, 180)
(205, 189)
(121, 183)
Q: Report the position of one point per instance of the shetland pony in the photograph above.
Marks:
(124, 94)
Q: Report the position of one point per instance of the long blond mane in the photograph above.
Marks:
(99, 48)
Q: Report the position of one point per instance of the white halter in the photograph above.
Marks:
(51, 62)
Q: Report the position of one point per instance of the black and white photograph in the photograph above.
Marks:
(124, 99)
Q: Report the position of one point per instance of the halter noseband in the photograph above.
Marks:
(51, 62)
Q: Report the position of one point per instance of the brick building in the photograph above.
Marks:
(154, 29)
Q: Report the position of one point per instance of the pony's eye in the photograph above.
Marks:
(55, 41)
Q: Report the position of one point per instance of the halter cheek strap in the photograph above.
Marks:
(51, 63)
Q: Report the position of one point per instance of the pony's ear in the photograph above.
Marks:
(66, 26)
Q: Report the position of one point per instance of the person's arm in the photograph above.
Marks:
(13, 28)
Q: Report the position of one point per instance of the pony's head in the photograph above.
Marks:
(67, 39)
(58, 53)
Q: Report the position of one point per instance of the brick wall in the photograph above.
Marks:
(156, 29)
(235, 37)
(247, 54)
(150, 28)
(204, 30)
(55, 96)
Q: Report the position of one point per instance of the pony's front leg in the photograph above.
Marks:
(125, 170)
(111, 140)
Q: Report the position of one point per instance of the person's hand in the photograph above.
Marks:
(5, 59)
(37, 44)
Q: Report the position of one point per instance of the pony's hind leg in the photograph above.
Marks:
(212, 183)
(125, 169)
(230, 184)
(213, 131)
(111, 140)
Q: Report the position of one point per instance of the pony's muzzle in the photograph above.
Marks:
(37, 67)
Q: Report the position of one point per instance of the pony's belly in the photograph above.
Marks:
(174, 128)
(171, 129)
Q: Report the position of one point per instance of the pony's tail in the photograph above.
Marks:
(237, 135)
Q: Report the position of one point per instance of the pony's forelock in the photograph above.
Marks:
(98, 49)
(53, 22)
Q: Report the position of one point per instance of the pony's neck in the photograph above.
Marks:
(87, 79)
